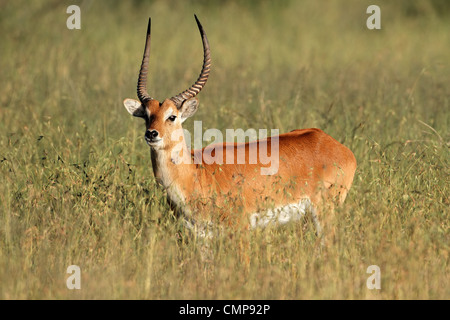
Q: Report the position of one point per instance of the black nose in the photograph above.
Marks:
(151, 134)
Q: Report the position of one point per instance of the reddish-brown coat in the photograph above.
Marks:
(311, 165)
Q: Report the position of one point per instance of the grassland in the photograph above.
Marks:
(76, 180)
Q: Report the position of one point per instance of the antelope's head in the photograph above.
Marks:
(163, 118)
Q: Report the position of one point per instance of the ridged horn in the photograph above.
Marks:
(203, 77)
(142, 80)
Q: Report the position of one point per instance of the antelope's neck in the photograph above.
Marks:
(174, 170)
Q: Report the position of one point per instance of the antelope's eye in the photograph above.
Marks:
(172, 118)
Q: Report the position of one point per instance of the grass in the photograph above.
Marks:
(77, 183)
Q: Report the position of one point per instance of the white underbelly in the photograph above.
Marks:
(275, 217)
(281, 215)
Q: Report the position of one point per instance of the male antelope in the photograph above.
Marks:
(313, 168)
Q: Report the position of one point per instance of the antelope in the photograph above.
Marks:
(313, 168)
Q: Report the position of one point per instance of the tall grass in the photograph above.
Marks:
(77, 183)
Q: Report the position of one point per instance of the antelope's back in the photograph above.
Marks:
(302, 164)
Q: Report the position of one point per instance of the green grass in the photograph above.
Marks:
(77, 184)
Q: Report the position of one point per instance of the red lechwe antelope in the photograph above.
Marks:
(313, 168)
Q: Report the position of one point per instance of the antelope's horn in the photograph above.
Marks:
(142, 80)
(203, 77)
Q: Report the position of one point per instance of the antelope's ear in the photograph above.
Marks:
(135, 108)
(188, 108)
